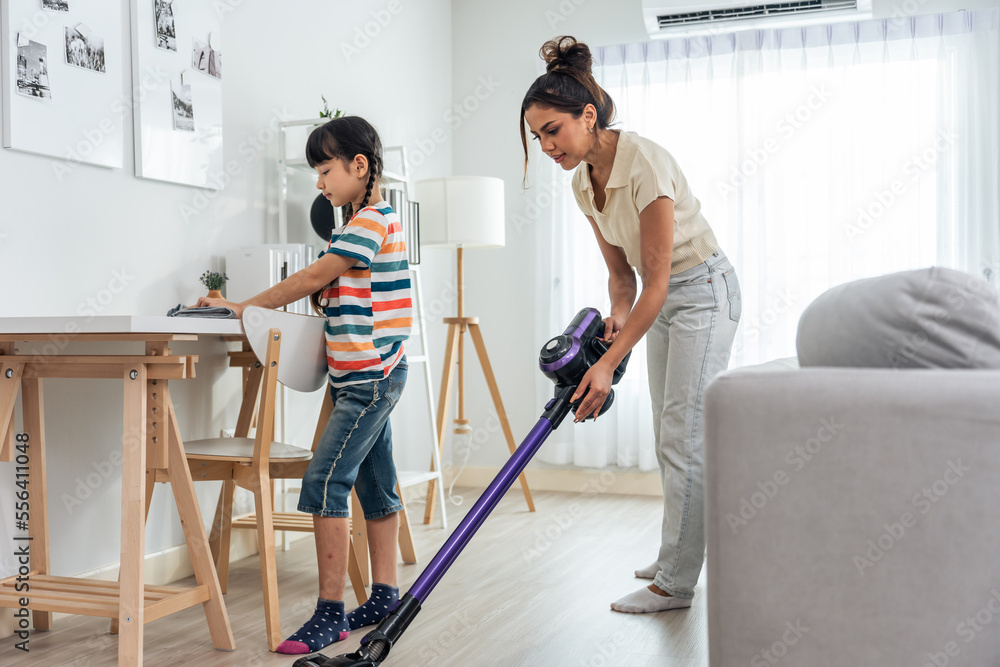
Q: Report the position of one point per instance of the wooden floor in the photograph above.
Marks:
(531, 589)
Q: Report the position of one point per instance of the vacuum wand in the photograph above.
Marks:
(564, 359)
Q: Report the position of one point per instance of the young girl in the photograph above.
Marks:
(361, 284)
(644, 217)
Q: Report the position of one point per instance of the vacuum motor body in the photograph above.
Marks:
(566, 358)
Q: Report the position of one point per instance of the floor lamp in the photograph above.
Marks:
(463, 212)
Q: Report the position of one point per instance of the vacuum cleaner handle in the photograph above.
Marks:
(601, 348)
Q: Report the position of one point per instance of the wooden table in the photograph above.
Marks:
(150, 442)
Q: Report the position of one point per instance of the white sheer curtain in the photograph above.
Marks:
(820, 155)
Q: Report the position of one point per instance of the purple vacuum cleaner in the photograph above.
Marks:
(564, 359)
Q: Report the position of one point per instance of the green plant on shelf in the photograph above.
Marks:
(326, 113)
(214, 280)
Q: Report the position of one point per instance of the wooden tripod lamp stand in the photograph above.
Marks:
(463, 212)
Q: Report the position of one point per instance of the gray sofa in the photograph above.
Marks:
(853, 516)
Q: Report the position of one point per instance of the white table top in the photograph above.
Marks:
(120, 324)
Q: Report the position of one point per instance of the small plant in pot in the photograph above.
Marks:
(326, 113)
(214, 281)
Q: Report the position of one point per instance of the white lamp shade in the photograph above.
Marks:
(464, 211)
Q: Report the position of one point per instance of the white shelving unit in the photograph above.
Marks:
(409, 478)
(285, 163)
(390, 179)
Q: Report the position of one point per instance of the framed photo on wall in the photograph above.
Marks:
(178, 116)
(62, 81)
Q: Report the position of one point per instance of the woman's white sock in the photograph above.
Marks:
(648, 572)
(644, 600)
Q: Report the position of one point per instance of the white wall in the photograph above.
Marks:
(61, 242)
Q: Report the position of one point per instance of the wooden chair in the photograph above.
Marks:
(292, 348)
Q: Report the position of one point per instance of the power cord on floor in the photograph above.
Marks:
(467, 439)
(450, 495)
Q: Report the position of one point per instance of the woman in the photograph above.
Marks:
(646, 218)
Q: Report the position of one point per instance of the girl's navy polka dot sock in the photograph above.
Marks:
(383, 598)
(328, 625)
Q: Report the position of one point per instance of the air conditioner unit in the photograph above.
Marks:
(665, 20)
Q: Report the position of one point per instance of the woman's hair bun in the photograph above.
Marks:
(565, 53)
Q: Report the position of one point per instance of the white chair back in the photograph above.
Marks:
(303, 365)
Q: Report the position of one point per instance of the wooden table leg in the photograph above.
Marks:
(150, 484)
(38, 527)
(131, 599)
(9, 386)
(195, 536)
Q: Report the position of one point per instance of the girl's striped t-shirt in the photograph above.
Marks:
(368, 308)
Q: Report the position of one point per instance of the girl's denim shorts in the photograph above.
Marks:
(356, 451)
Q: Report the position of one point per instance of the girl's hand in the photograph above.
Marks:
(212, 302)
(598, 381)
(612, 325)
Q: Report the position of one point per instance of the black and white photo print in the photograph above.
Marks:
(180, 94)
(33, 71)
(166, 33)
(84, 49)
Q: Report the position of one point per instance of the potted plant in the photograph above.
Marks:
(214, 282)
(326, 113)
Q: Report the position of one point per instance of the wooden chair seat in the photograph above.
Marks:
(240, 450)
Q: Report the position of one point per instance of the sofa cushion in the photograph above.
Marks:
(927, 318)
